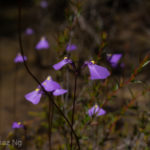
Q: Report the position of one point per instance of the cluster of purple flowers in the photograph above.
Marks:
(50, 86)
(96, 71)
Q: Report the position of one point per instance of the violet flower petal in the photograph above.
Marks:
(50, 85)
(34, 96)
(71, 47)
(58, 92)
(42, 44)
(95, 110)
(90, 111)
(29, 31)
(44, 4)
(114, 59)
(62, 63)
(17, 125)
(101, 112)
(19, 58)
(97, 72)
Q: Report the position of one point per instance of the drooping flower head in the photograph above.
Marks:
(44, 4)
(71, 47)
(42, 44)
(17, 125)
(19, 58)
(96, 71)
(62, 63)
(114, 59)
(96, 110)
(50, 86)
(29, 31)
(34, 96)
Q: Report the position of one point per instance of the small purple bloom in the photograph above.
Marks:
(95, 110)
(62, 63)
(19, 58)
(58, 92)
(96, 71)
(17, 125)
(114, 59)
(50, 85)
(71, 47)
(34, 96)
(29, 31)
(44, 4)
(42, 44)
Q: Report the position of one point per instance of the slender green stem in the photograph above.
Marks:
(73, 109)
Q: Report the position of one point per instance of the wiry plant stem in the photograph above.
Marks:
(14, 94)
(73, 109)
(50, 121)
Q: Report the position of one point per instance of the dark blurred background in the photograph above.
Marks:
(126, 23)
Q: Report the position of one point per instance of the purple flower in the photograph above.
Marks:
(17, 125)
(62, 63)
(34, 96)
(29, 31)
(114, 59)
(44, 4)
(42, 44)
(95, 110)
(19, 58)
(96, 71)
(71, 47)
(50, 85)
(58, 92)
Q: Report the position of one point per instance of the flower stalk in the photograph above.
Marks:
(74, 102)
(50, 121)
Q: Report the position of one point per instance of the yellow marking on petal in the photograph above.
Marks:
(44, 83)
(65, 57)
(93, 62)
(19, 123)
(96, 106)
(37, 90)
(49, 78)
